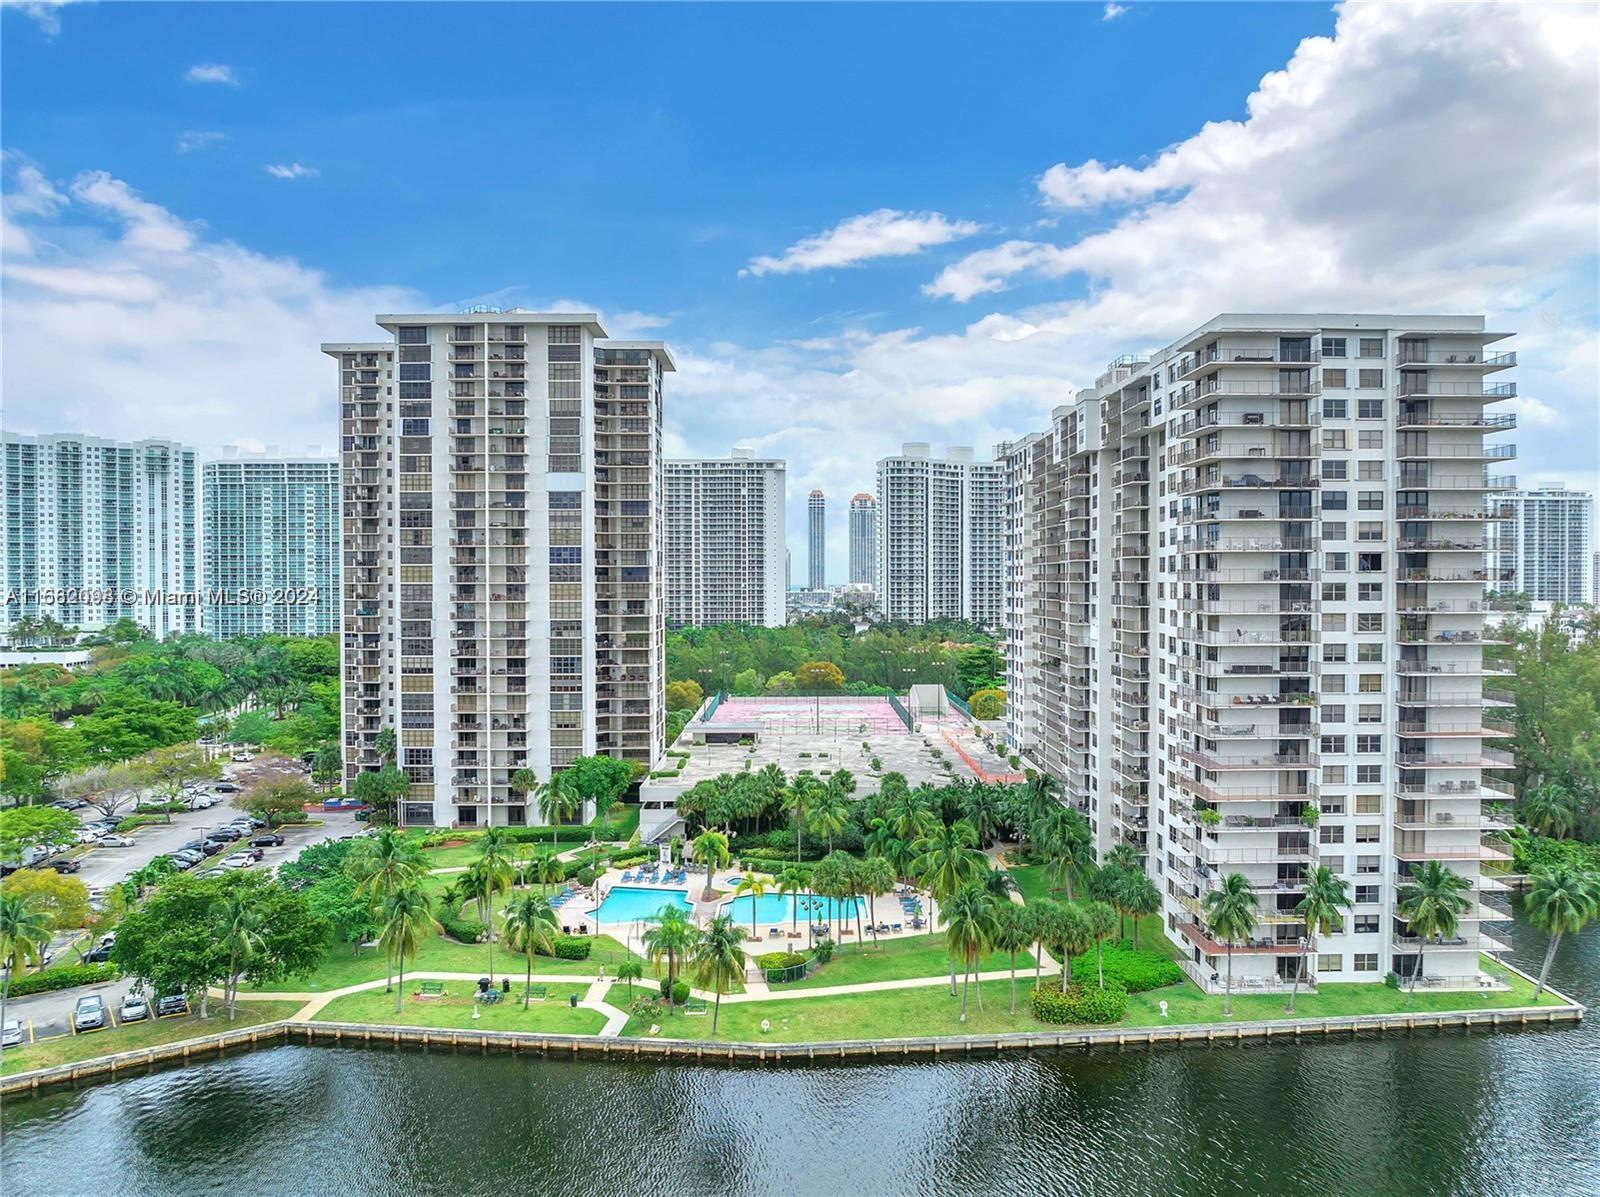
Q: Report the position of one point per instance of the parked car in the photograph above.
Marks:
(202, 802)
(242, 758)
(239, 860)
(64, 865)
(116, 841)
(89, 1014)
(11, 1033)
(187, 858)
(99, 954)
(212, 846)
(88, 835)
(227, 833)
(134, 1008)
(173, 1003)
(270, 840)
(225, 787)
(213, 871)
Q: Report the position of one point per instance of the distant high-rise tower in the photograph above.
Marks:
(943, 535)
(817, 541)
(726, 560)
(1542, 544)
(863, 538)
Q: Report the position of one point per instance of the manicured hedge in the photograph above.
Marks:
(464, 930)
(1079, 1003)
(769, 960)
(680, 991)
(1137, 972)
(65, 976)
(572, 947)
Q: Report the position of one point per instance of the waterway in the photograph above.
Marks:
(1458, 1113)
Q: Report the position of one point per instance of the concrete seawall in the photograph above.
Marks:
(588, 1046)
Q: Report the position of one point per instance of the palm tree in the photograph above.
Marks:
(1138, 895)
(1432, 902)
(792, 882)
(948, 858)
(718, 959)
(406, 918)
(630, 970)
(1550, 810)
(830, 813)
(831, 879)
(970, 931)
(24, 932)
(800, 796)
(710, 848)
(1326, 895)
(548, 871)
(495, 872)
(530, 929)
(875, 876)
(1561, 902)
(1231, 914)
(981, 806)
(756, 886)
(382, 865)
(1013, 933)
(1063, 835)
(1099, 920)
(236, 927)
(910, 816)
(557, 802)
(524, 782)
(671, 934)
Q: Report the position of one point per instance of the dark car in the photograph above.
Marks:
(271, 840)
(186, 858)
(173, 1003)
(211, 846)
(99, 955)
(227, 833)
(225, 787)
(64, 865)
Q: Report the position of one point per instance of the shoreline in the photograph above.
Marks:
(286, 1032)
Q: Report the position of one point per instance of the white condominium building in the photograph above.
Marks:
(1546, 546)
(99, 530)
(503, 596)
(1245, 627)
(726, 559)
(270, 555)
(863, 540)
(941, 536)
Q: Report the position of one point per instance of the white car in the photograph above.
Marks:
(113, 840)
(133, 1009)
(202, 802)
(11, 1033)
(241, 758)
(87, 835)
(239, 860)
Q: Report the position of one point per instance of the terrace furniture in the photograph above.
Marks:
(430, 989)
(490, 997)
(897, 927)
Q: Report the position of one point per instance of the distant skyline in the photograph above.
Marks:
(845, 249)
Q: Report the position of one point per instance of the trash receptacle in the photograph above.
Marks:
(505, 984)
(572, 1000)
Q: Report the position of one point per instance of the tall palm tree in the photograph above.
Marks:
(910, 816)
(548, 871)
(382, 865)
(981, 806)
(1561, 902)
(236, 927)
(406, 919)
(710, 848)
(756, 886)
(1326, 896)
(1014, 932)
(1432, 902)
(800, 796)
(24, 932)
(557, 803)
(718, 959)
(1550, 809)
(630, 970)
(830, 813)
(669, 935)
(875, 876)
(831, 879)
(948, 858)
(530, 929)
(525, 782)
(497, 870)
(1138, 895)
(1099, 920)
(1064, 836)
(792, 882)
(970, 931)
(1231, 914)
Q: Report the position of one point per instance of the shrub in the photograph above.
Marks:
(822, 952)
(877, 765)
(1136, 971)
(769, 960)
(680, 991)
(1079, 1003)
(572, 947)
(587, 875)
(461, 929)
(65, 976)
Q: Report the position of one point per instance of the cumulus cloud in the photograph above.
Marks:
(197, 139)
(291, 170)
(885, 233)
(212, 72)
(1112, 11)
(45, 13)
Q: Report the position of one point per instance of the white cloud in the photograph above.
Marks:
(199, 139)
(212, 72)
(291, 170)
(45, 13)
(885, 233)
(1113, 10)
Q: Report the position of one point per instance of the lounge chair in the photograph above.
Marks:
(897, 927)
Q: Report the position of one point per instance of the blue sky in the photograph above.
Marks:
(855, 225)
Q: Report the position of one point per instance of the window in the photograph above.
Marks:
(1330, 834)
(1371, 621)
(1371, 346)
(1333, 683)
(1368, 895)
(1369, 804)
(1369, 380)
(1369, 592)
(1334, 500)
(1370, 438)
(1333, 621)
(1333, 745)
(1370, 471)
(1369, 712)
(1369, 653)
(1333, 775)
(1335, 438)
(1366, 962)
(1369, 563)
(1369, 744)
(1334, 530)
(1333, 592)
(1370, 409)
(1333, 347)
(1371, 683)
(1367, 833)
(1333, 652)
(1337, 563)
(415, 373)
(1333, 714)
(1366, 924)
(1369, 775)
(1334, 471)
(1336, 409)
(412, 334)
(1330, 962)
(1369, 500)
(1333, 378)
(1369, 530)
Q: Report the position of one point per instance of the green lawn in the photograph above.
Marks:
(67, 1049)
(895, 959)
(455, 1010)
(440, 954)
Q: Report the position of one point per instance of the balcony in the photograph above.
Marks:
(1459, 390)
(1410, 354)
(1260, 946)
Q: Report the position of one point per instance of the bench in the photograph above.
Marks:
(430, 989)
(695, 1006)
(536, 993)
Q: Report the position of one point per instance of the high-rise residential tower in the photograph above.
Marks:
(1245, 629)
(726, 559)
(816, 541)
(270, 554)
(503, 594)
(1546, 546)
(863, 540)
(941, 536)
(99, 530)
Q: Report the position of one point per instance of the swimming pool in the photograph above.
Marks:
(780, 908)
(630, 904)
